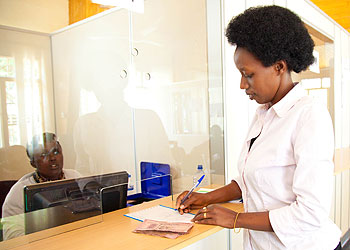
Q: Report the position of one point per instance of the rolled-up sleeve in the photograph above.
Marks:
(238, 180)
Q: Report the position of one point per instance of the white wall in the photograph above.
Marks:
(36, 15)
(236, 117)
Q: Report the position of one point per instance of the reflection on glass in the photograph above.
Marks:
(70, 200)
(93, 120)
(177, 83)
(99, 125)
(88, 102)
(12, 113)
(25, 109)
(33, 98)
(189, 110)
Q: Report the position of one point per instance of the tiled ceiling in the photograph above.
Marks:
(338, 10)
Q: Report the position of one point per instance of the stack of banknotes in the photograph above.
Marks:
(170, 230)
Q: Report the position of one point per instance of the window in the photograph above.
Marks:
(9, 127)
(12, 113)
(7, 66)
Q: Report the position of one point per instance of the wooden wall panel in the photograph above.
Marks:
(338, 10)
(81, 9)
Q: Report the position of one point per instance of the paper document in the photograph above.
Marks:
(160, 213)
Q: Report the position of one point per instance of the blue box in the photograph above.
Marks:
(156, 181)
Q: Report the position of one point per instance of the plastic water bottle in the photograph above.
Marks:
(198, 175)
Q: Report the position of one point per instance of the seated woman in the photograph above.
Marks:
(45, 155)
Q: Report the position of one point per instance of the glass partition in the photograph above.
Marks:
(126, 90)
(26, 109)
(55, 207)
(154, 186)
(91, 68)
(169, 88)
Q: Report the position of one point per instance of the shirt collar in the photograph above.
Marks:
(288, 101)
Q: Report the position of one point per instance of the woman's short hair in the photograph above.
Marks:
(39, 140)
(273, 33)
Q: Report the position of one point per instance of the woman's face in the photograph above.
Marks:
(261, 83)
(48, 160)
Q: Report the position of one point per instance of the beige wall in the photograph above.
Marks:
(37, 15)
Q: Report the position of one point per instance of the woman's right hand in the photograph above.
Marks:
(194, 201)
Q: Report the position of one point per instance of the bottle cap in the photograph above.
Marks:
(200, 167)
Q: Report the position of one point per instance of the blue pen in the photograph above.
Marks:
(196, 185)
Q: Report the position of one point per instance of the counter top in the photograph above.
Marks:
(112, 231)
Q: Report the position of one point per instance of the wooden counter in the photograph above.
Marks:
(113, 232)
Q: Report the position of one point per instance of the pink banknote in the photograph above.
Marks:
(164, 229)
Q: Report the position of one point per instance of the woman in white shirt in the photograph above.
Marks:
(285, 167)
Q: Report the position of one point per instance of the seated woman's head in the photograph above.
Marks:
(45, 154)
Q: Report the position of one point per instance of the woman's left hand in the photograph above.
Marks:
(215, 215)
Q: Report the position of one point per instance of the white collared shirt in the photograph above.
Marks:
(289, 172)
